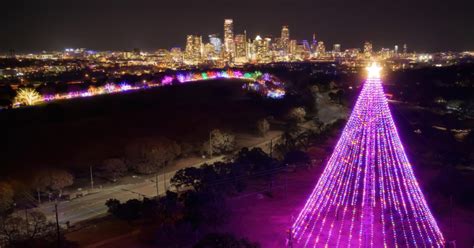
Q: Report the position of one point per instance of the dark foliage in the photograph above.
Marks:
(297, 158)
(227, 176)
(130, 210)
(205, 208)
(224, 240)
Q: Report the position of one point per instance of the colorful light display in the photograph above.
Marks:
(275, 91)
(367, 196)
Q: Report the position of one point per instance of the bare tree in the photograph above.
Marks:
(53, 180)
(222, 142)
(149, 156)
(32, 230)
(6, 197)
(297, 114)
(262, 127)
(113, 168)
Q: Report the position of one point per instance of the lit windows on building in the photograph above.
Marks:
(285, 39)
(368, 50)
(193, 53)
(321, 49)
(216, 42)
(229, 45)
(240, 48)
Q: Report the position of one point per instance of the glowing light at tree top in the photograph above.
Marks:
(367, 196)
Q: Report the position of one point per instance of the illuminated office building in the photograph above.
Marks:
(251, 50)
(193, 52)
(261, 47)
(258, 44)
(285, 39)
(321, 49)
(210, 53)
(176, 55)
(314, 44)
(306, 46)
(305, 50)
(229, 45)
(385, 53)
(266, 52)
(277, 45)
(368, 49)
(241, 48)
(163, 57)
(216, 42)
(336, 48)
(293, 45)
(352, 53)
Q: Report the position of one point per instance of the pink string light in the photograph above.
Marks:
(367, 196)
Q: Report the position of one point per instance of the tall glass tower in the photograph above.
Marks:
(285, 39)
(229, 45)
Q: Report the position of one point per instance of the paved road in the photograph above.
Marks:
(93, 205)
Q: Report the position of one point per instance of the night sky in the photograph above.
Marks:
(425, 25)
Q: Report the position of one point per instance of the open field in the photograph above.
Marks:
(77, 133)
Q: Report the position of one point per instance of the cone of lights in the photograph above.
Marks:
(367, 196)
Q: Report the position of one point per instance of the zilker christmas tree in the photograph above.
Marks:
(367, 195)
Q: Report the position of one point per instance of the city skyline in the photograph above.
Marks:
(228, 41)
(150, 26)
(235, 48)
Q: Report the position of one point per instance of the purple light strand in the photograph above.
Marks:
(367, 195)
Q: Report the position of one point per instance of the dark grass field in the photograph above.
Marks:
(75, 133)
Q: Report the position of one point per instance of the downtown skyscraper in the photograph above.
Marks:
(229, 44)
(193, 52)
(285, 40)
(241, 48)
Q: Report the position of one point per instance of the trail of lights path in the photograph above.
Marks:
(367, 196)
(257, 82)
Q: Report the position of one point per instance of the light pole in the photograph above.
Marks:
(156, 182)
(164, 181)
(39, 195)
(210, 144)
(271, 148)
(26, 220)
(57, 224)
(92, 177)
